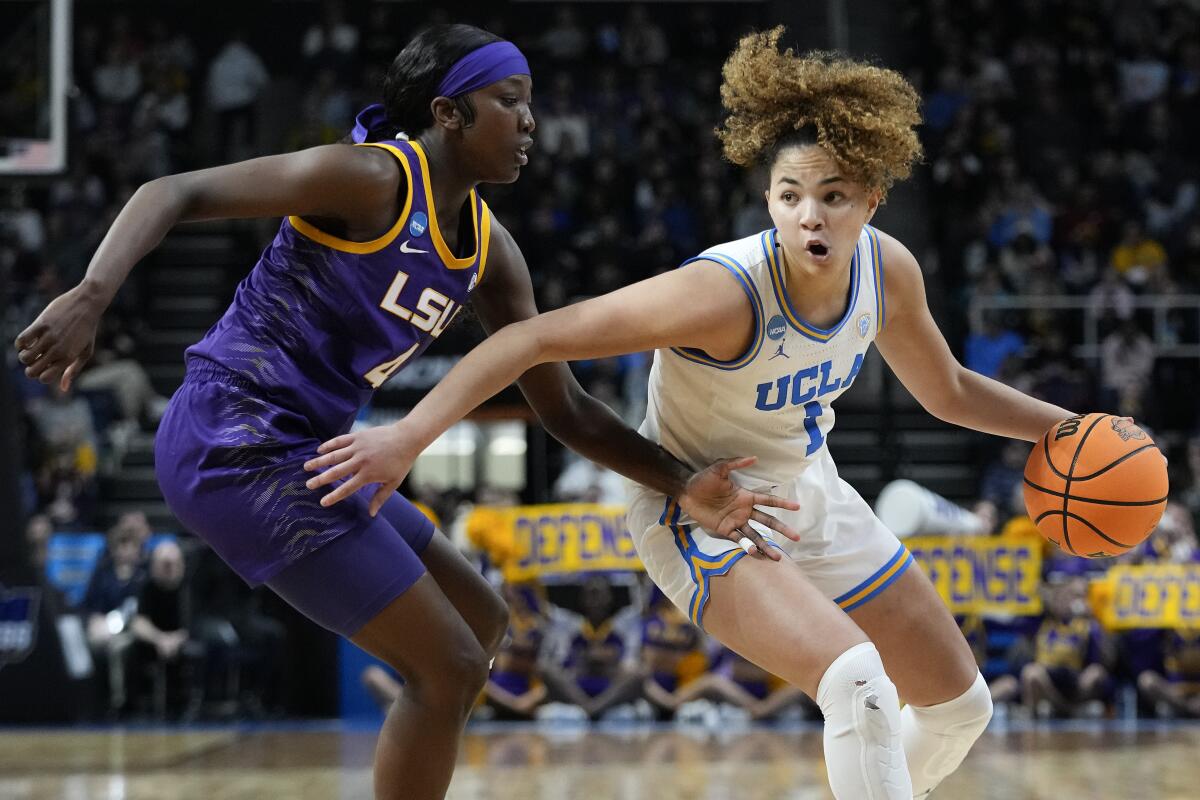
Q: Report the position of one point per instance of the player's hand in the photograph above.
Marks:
(377, 455)
(725, 509)
(62, 338)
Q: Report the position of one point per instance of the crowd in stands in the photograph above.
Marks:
(1062, 143)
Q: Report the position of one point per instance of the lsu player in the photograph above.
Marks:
(381, 246)
(755, 339)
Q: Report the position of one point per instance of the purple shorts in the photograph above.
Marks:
(230, 464)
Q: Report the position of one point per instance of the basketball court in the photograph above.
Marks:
(1016, 761)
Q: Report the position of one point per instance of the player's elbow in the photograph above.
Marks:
(944, 396)
(569, 420)
(169, 194)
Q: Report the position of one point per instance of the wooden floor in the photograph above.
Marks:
(1086, 762)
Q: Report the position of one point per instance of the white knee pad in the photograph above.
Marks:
(937, 738)
(863, 752)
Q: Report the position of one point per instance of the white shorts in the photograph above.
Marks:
(848, 554)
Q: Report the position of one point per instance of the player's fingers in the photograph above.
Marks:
(336, 442)
(345, 490)
(775, 524)
(774, 501)
(333, 474)
(70, 373)
(381, 496)
(329, 459)
(48, 371)
(746, 532)
(29, 356)
(731, 464)
(28, 337)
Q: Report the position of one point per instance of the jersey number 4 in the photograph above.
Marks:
(433, 314)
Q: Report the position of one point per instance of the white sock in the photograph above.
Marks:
(937, 738)
(863, 752)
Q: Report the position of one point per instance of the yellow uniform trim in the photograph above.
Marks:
(785, 305)
(877, 258)
(435, 232)
(375, 245)
(702, 566)
(880, 580)
(485, 237)
(701, 577)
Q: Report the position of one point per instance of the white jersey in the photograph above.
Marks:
(775, 400)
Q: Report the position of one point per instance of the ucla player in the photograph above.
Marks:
(819, 288)
(382, 245)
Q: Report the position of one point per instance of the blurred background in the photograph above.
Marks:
(1055, 217)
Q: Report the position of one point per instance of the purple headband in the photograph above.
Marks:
(371, 125)
(483, 67)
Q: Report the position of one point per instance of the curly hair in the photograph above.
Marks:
(861, 114)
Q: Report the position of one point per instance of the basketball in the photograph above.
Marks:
(1096, 485)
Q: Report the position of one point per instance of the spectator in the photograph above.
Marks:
(332, 44)
(515, 689)
(1137, 257)
(161, 630)
(37, 539)
(1068, 674)
(119, 79)
(1003, 479)
(236, 78)
(66, 480)
(565, 40)
(991, 345)
(110, 603)
(1126, 364)
(643, 43)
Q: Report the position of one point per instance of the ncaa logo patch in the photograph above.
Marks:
(776, 328)
(418, 223)
(18, 623)
(864, 325)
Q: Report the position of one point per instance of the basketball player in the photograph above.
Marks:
(821, 286)
(384, 245)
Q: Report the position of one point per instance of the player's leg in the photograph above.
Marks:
(370, 587)
(473, 597)
(772, 615)
(948, 703)
(423, 637)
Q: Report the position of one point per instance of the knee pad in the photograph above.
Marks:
(863, 751)
(937, 738)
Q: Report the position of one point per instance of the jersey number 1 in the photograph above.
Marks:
(812, 410)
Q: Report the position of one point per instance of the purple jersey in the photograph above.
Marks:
(321, 322)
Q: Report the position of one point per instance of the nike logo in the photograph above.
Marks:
(404, 248)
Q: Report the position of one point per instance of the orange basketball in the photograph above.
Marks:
(1096, 485)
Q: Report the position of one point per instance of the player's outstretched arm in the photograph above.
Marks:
(917, 352)
(659, 312)
(354, 187)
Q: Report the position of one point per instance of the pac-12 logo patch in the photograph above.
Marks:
(18, 623)
(776, 328)
(864, 325)
(474, 280)
(418, 223)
